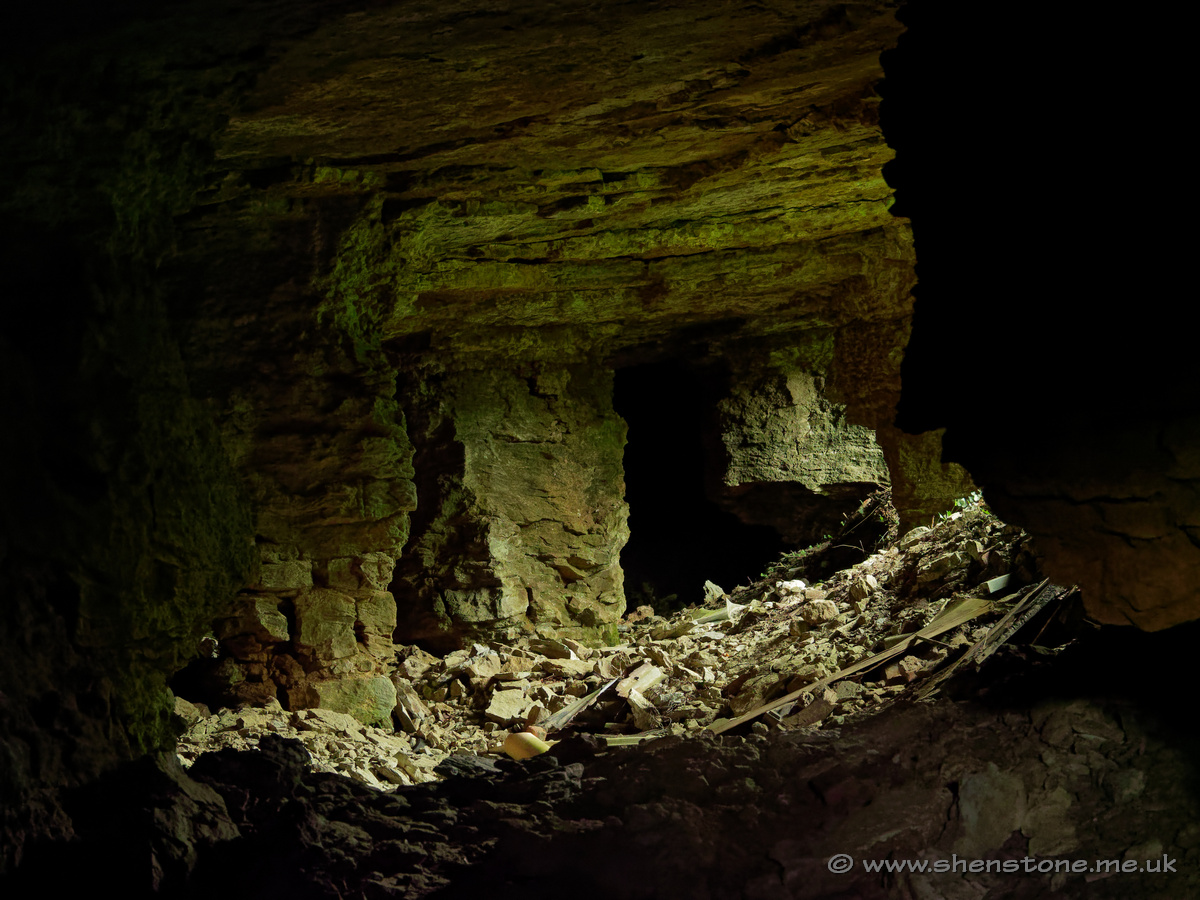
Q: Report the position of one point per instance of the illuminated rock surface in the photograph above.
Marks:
(315, 312)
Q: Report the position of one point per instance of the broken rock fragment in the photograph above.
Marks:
(410, 711)
(508, 706)
(816, 612)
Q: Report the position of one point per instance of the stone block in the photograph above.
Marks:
(376, 623)
(370, 700)
(991, 806)
(790, 590)
(325, 624)
(189, 712)
(258, 617)
(477, 605)
(568, 668)
(286, 576)
(817, 611)
(508, 707)
(328, 720)
(341, 575)
(410, 709)
(756, 691)
(376, 569)
(482, 666)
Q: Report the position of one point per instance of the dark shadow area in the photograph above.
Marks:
(678, 537)
(1017, 256)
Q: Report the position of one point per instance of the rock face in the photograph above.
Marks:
(792, 459)
(316, 317)
(522, 515)
(457, 269)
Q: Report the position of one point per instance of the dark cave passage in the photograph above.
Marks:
(679, 538)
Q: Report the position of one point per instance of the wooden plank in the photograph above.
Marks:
(952, 617)
(1021, 604)
(563, 717)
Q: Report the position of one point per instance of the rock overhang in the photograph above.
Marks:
(588, 182)
(624, 184)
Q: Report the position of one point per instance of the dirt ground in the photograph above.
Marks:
(913, 726)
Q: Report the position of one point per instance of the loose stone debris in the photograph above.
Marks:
(913, 606)
(763, 744)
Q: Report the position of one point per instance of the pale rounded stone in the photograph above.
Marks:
(524, 745)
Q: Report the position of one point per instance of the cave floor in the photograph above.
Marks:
(764, 746)
(792, 649)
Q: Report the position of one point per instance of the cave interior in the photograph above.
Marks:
(389, 323)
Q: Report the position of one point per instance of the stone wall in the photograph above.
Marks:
(523, 514)
(791, 460)
(1049, 342)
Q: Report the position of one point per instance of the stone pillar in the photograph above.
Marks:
(922, 485)
(791, 460)
(521, 513)
(312, 635)
(332, 500)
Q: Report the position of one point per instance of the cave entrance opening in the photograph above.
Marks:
(678, 537)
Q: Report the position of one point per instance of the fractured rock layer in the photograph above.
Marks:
(523, 511)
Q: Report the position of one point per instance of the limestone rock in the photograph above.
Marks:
(794, 462)
(508, 706)
(481, 667)
(530, 517)
(375, 622)
(416, 661)
(410, 710)
(328, 720)
(569, 668)
(553, 649)
(757, 691)
(376, 568)
(257, 617)
(286, 576)
(325, 624)
(190, 713)
(816, 612)
(790, 591)
(369, 700)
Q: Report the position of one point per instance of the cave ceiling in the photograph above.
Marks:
(575, 183)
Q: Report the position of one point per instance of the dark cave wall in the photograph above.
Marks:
(126, 527)
(1048, 336)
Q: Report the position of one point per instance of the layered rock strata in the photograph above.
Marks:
(522, 515)
(791, 460)
(531, 216)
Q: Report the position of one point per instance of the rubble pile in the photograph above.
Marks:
(736, 749)
(337, 743)
(699, 669)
